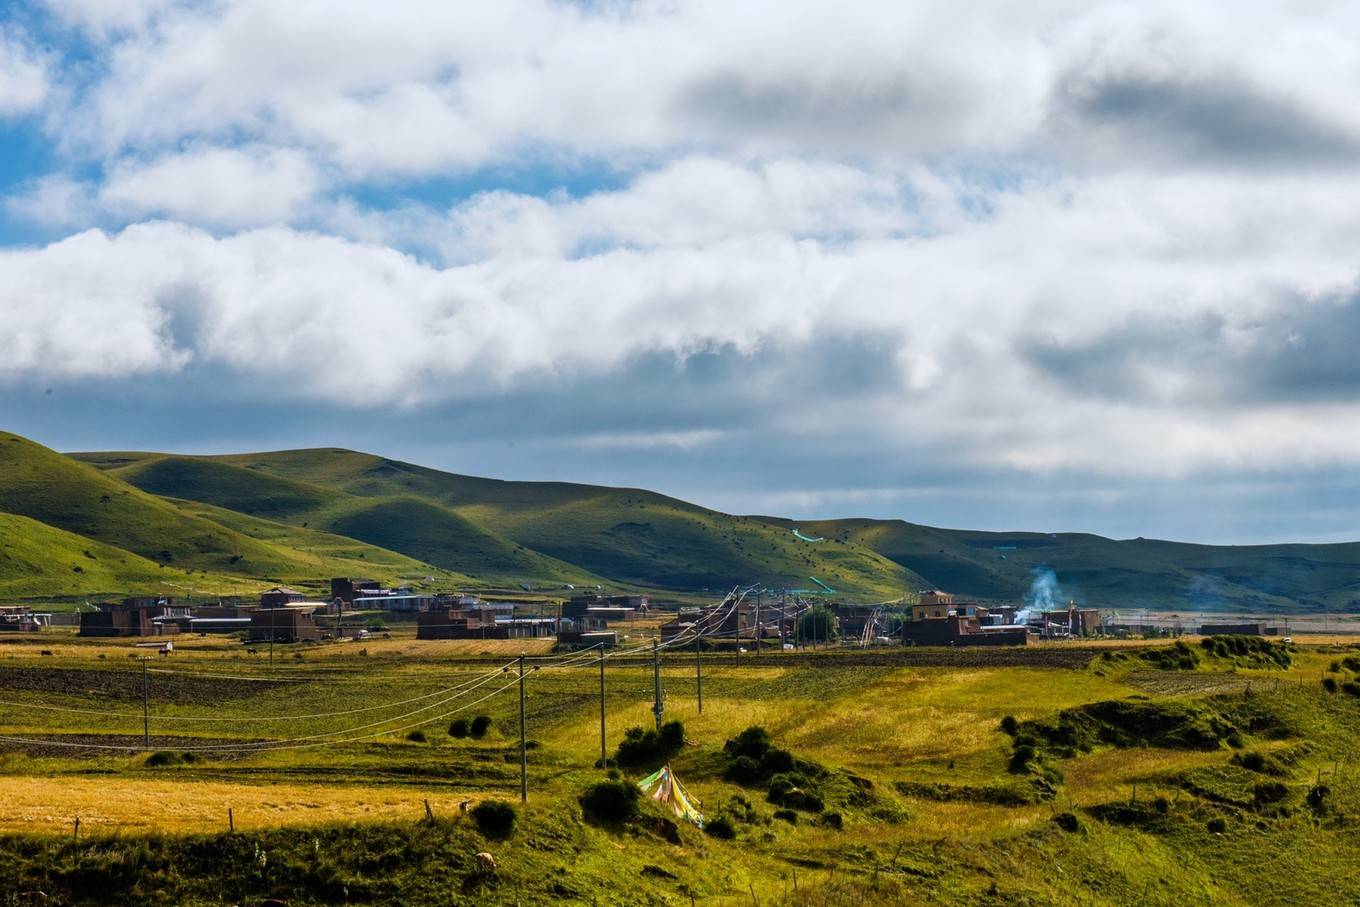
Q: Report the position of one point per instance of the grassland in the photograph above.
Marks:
(909, 749)
(550, 532)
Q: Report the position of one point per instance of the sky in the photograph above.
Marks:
(1050, 266)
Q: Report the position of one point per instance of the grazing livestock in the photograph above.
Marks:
(486, 863)
(47, 652)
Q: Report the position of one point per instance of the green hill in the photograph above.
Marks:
(205, 549)
(551, 532)
(545, 531)
(36, 556)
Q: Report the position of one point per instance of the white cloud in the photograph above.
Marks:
(229, 187)
(24, 80)
(306, 316)
(430, 86)
(55, 200)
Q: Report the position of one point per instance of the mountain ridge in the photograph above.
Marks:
(473, 529)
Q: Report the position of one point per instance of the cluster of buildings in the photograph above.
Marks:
(23, 619)
(941, 619)
(283, 614)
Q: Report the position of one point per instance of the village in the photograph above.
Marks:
(356, 607)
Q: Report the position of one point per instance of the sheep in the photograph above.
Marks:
(486, 863)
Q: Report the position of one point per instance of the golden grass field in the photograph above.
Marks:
(878, 717)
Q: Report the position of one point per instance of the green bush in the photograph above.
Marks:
(479, 726)
(1317, 797)
(459, 728)
(162, 758)
(786, 815)
(494, 818)
(610, 801)
(1217, 825)
(752, 743)
(1351, 688)
(416, 736)
(1009, 725)
(720, 828)
(641, 748)
(742, 770)
(831, 820)
(1067, 821)
(1330, 685)
(775, 761)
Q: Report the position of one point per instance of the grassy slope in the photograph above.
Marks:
(35, 556)
(417, 527)
(884, 723)
(1133, 573)
(72, 507)
(627, 535)
(643, 538)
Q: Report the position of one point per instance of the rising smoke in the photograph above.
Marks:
(1044, 593)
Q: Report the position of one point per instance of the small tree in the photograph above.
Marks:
(818, 624)
(611, 801)
(480, 725)
(459, 728)
(494, 818)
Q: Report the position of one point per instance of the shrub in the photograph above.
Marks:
(1330, 685)
(742, 770)
(641, 747)
(1350, 687)
(1317, 797)
(169, 757)
(479, 726)
(494, 818)
(720, 828)
(1217, 825)
(752, 742)
(782, 784)
(416, 736)
(775, 761)
(672, 736)
(459, 728)
(1009, 725)
(1067, 821)
(610, 801)
(831, 820)
(786, 815)
(1268, 792)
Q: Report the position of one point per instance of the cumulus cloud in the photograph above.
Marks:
(24, 82)
(1053, 240)
(229, 187)
(1002, 333)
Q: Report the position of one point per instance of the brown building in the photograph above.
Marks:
(117, 622)
(458, 624)
(958, 630)
(345, 588)
(283, 625)
(280, 597)
(1238, 629)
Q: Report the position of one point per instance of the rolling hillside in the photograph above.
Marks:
(533, 531)
(54, 506)
(309, 512)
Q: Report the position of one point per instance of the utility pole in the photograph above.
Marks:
(658, 704)
(758, 633)
(523, 750)
(698, 675)
(603, 758)
(146, 710)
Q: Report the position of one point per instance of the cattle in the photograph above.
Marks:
(47, 652)
(486, 863)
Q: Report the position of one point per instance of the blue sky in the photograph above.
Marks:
(1065, 267)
